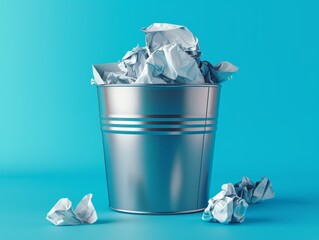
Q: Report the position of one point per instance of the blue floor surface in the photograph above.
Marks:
(25, 200)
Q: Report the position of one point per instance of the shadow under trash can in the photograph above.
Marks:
(158, 145)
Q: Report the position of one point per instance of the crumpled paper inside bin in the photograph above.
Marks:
(171, 56)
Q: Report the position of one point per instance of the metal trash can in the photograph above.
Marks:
(158, 145)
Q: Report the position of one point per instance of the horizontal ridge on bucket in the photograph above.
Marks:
(158, 125)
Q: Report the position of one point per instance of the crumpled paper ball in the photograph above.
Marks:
(63, 214)
(225, 207)
(254, 192)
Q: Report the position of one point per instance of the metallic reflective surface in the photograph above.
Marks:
(149, 213)
(158, 144)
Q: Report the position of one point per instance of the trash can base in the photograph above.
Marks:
(156, 213)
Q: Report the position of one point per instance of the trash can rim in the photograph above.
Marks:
(159, 85)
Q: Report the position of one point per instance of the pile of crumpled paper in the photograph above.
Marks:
(171, 56)
(230, 204)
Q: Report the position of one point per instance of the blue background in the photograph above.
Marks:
(50, 141)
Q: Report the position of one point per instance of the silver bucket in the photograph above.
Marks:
(158, 145)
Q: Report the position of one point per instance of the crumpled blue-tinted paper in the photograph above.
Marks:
(161, 69)
(219, 73)
(160, 34)
(226, 207)
(254, 192)
(171, 56)
(63, 214)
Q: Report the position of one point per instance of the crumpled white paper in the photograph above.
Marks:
(117, 78)
(63, 214)
(160, 34)
(170, 64)
(171, 56)
(216, 74)
(254, 192)
(225, 207)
